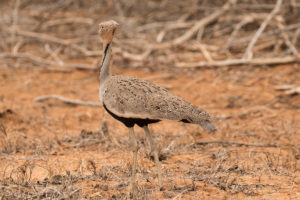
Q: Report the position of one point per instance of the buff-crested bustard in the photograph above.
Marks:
(136, 101)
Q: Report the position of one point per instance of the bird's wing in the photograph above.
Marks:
(136, 98)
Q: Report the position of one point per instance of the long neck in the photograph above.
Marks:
(104, 68)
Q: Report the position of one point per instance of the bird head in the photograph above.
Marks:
(107, 30)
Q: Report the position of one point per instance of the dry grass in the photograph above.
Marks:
(79, 152)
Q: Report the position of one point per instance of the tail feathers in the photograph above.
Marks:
(208, 126)
(205, 124)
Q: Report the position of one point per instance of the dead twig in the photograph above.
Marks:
(17, 46)
(15, 19)
(180, 194)
(264, 35)
(205, 53)
(136, 57)
(233, 62)
(41, 36)
(202, 23)
(53, 39)
(169, 25)
(3, 129)
(285, 36)
(54, 55)
(289, 89)
(65, 42)
(174, 25)
(192, 82)
(230, 143)
(161, 76)
(42, 61)
(296, 35)
(243, 22)
(248, 53)
(267, 43)
(67, 100)
(71, 20)
(257, 109)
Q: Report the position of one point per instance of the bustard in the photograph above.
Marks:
(136, 101)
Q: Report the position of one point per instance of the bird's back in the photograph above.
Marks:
(131, 97)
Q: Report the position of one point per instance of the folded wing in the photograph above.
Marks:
(131, 97)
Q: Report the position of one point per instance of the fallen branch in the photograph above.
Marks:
(202, 23)
(169, 25)
(195, 29)
(54, 55)
(268, 43)
(84, 51)
(264, 35)
(289, 89)
(41, 36)
(67, 100)
(248, 53)
(232, 62)
(53, 39)
(136, 57)
(229, 143)
(296, 35)
(237, 27)
(205, 53)
(42, 61)
(16, 48)
(71, 20)
(15, 19)
(192, 82)
(174, 25)
(161, 76)
(285, 36)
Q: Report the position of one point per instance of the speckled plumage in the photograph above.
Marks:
(136, 101)
(131, 97)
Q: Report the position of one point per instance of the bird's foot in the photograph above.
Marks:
(132, 191)
(161, 188)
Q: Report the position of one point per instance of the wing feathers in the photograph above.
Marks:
(131, 97)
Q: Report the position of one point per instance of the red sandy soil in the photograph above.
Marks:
(51, 149)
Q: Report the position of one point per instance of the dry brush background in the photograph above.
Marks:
(238, 59)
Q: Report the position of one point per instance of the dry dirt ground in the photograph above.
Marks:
(54, 150)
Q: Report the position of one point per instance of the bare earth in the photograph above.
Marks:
(56, 150)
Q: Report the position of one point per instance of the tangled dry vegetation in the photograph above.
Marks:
(181, 34)
(236, 58)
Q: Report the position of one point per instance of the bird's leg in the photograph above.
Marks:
(154, 150)
(134, 147)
